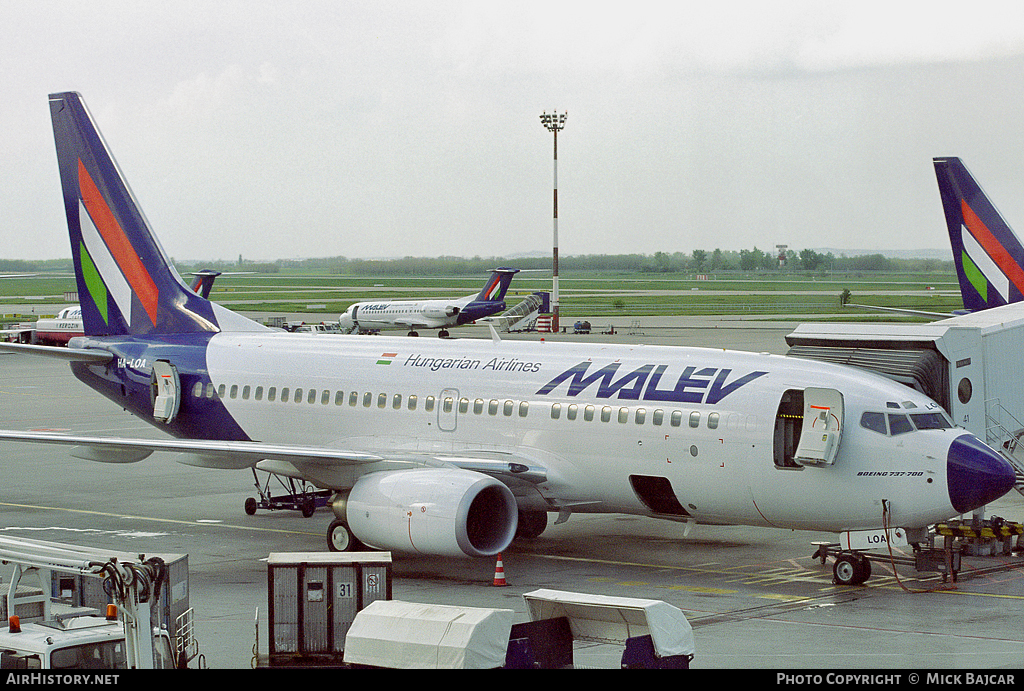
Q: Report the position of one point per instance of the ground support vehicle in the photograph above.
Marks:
(975, 538)
(406, 635)
(74, 608)
(299, 495)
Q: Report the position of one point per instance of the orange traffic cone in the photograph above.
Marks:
(499, 573)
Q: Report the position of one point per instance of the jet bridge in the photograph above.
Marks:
(969, 364)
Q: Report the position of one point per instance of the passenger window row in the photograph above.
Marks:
(492, 407)
(639, 415)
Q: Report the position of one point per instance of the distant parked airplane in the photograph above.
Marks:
(435, 313)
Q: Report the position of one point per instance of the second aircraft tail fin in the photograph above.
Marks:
(496, 286)
(988, 256)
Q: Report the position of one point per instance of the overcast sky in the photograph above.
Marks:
(411, 128)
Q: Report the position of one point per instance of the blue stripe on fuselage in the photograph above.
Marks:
(478, 310)
(126, 380)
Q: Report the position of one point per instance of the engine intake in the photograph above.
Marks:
(442, 511)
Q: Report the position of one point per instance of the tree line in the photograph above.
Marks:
(697, 262)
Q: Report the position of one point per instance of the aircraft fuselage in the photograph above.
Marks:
(613, 425)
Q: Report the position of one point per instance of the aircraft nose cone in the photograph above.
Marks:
(975, 474)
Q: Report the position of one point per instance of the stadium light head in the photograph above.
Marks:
(553, 121)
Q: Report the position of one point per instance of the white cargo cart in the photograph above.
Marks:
(656, 635)
(411, 635)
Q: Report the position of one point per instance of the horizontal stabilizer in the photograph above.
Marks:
(59, 353)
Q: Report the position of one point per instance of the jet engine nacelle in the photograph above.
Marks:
(444, 511)
(441, 312)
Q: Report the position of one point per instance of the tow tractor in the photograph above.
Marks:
(978, 537)
(852, 565)
(55, 623)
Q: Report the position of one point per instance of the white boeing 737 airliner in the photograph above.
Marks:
(448, 446)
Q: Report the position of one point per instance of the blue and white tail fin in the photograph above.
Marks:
(496, 286)
(126, 285)
(988, 256)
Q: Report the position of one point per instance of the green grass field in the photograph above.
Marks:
(582, 293)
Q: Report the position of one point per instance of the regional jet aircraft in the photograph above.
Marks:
(436, 313)
(450, 447)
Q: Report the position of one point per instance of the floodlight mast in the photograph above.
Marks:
(553, 123)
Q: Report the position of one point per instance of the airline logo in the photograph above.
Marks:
(693, 385)
(985, 260)
(493, 288)
(386, 358)
(110, 265)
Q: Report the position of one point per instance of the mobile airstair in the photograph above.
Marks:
(522, 316)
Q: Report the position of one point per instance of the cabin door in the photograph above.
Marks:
(822, 427)
(165, 388)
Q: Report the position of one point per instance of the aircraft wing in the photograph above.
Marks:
(495, 319)
(309, 462)
(416, 323)
(59, 353)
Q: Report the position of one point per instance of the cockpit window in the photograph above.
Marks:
(930, 421)
(899, 424)
(874, 422)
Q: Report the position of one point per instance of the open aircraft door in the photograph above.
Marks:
(822, 427)
(166, 388)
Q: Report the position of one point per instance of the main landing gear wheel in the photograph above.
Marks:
(341, 539)
(851, 569)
